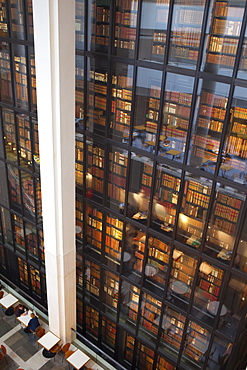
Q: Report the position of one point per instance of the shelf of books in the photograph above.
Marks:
(138, 250)
(79, 310)
(165, 199)
(145, 357)
(79, 23)
(6, 87)
(19, 234)
(79, 160)
(223, 223)
(14, 187)
(186, 33)
(79, 88)
(23, 271)
(9, 135)
(157, 263)
(193, 211)
(242, 68)
(79, 274)
(95, 172)
(92, 282)
(111, 290)
(118, 162)
(99, 26)
(153, 33)
(24, 138)
(129, 348)
(125, 27)
(108, 332)
(41, 246)
(17, 19)
(197, 342)
(172, 324)
(163, 364)
(78, 217)
(28, 194)
(113, 239)
(92, 322)
(20, 67)
(30, 18)
(3, 19)
(33, 80)
(223, 41)
(130, 295)
(35, 280)
(121, 102)
(97, 102)
(94, 220)
(150, 312)
(209, 126)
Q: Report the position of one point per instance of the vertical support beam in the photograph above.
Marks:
(54, 40)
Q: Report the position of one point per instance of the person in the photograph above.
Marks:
(20, 310)
(33, 324)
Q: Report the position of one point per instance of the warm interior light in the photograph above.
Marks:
(183, 218)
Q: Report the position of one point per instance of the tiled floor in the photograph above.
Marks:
(23, 351)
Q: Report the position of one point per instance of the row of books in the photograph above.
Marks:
(197, 198)
(210, 124)
(212, 111)
(220, 59)
(126, 18)
(223, 45)
(222, 9)
(237, 146)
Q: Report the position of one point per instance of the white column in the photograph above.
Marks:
(54, 38)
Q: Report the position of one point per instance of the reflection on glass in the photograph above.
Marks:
(153, 30)
(113, 242)
(79, 24)
(24, 136)
(223, 223)
(206, 304)
(5, 74)
(220, 353)
(149, 317)
(17, 19)
(28, 194)
(118, 162)
(19, 234)
(30, 18)
(146, 116)
(15, 188)
(130, 295)
(41, 247)
(156, 266)
(3, 19)
(172, 324)
(3, 185)
(122, 81)
(92, 280)
(79, 91)
(78, 218)
(125, 27)
(79, 156)
(234, 156)
(95, 172)
(193, 212)
(196, 346)
(181, 278)
(164, 364)
(33, 80)
(97, 98)
(98, 25)
(7, 226)
(165, 199)
(208, 124)
(186, 32)
(20, 67)
(243, 61)
(9, 135)
(176, 113)
(94, 231)
(222, 42)
(111, 292)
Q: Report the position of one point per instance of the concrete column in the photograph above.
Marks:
(54, 38)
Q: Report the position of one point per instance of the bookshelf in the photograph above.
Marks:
(183, 270)
(165, 199)
(19, 234)
(79, 23)
(9, 135)
(79, 275)
(3, 19)
(197, 341)
(125, 27)
(92, 282)
(108, 332)
(111, 290)
(79, 87)
(41, 246)
(94, 230)
(79, 160)
(209, 284)
(163, 364)
(79, 217)
(186, 33)
(150, 311)
(35, 280)
(118, 162)
(23, 271)
(99, 27)
(24, 138)
(113, 239)
(33, 80)
(121, 104)
(129, 348)
(223, 41)
(30, 18)
(92, 322)
(193, 212)
(6, 87)
(130, 295)
(243, 61)
(14, 187)
(20, 68)
(17, 19)
(145, 357)
(95, 172)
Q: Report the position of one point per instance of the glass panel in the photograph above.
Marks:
(133, 257)
(147, 109)
(130, 295)
(2, 258)
(165, 199)
(5, 74)
(113, 242)
(176, 113)
(92, 278)
(243, 61)
(196, 345)
(24, 140)
(98, 25)
(41, 246)
(92, 322)
(79, 275)
(242, 249)
(33, 80)
(3, 19)
(208, 124)
(233, 307)
(94, 231)
(222, 227)
(38, 200)
(181, 278)
(30, 18)
(9, 135)
(35, 280)
(125, 28)
(79, 24)
(186, 32)
(118, 162)
(140, 187)
(145, 357)
(205, 304)
(79, 218)
(194, 208)
(222, 41)
(95, 172)
(234, 157)
(31, 241)
(172, 325)
(220, 353)
(3, 185)
(19, 234)
(23, 272)
(97, 97)
(150, 314)
(20, 67)
(108, 332)
(79, 91)
(156, 266)
(122, 81)
(7, 227)
(153, 30)
(111, 291)
(129, 348)
(79, 156)
(28, 195)
(35, 142)
(17, 18)
(14, 188)
(163, 364)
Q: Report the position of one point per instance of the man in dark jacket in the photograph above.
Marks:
(33, 324)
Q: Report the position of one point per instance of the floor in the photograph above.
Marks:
(23, 350)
